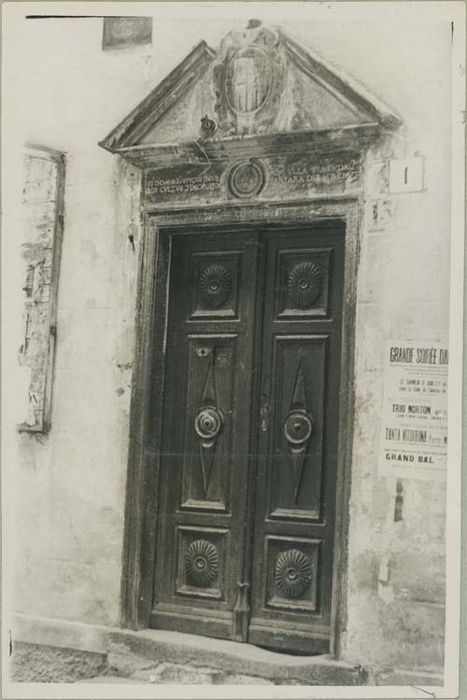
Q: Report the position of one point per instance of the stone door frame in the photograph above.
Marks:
(138, 558)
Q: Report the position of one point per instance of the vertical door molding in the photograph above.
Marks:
(142, 475)
(143, 464)
(346, 426)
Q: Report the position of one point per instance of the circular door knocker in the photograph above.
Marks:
(297, 427)
(208, 423)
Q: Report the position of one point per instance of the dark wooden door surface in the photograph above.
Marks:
(206, 428)
(249, 444)
(297, 441)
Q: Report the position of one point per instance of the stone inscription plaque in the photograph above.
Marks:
(308, 175)
(284, 177)
(178, 186)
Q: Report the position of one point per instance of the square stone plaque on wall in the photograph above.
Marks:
(120, 32)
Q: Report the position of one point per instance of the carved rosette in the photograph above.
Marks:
(293, 573)
(247, 80)
(201, 563)
(215, 285)
(304, 284)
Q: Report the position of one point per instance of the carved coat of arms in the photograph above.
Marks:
(247, 80)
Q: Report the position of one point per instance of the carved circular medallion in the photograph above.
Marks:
(215, 285)
(304, 284)
(297, 427)
(293, 573)
(246, 179)
(208, 423)
(201, 563)
(249, 80)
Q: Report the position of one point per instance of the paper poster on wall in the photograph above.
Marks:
(414, 426)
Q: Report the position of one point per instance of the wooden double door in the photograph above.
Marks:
(245, 526)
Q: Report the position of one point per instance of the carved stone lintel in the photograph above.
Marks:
(353, 139)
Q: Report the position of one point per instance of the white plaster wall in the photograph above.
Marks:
(72, 482)
(396, 571)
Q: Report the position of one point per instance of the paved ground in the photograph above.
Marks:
(170, 673)
(213, 662)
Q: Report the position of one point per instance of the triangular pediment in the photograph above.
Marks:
(259, 82)
(165, 96)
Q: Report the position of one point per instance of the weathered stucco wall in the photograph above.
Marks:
(71, 483)
(396, 574)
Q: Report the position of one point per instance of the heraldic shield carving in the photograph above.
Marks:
(247, 79)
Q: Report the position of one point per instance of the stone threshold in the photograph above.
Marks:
(229, 657)
(143, 655)
(131, 652)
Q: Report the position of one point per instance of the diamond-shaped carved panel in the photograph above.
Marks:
(295, 484)
(209, 422)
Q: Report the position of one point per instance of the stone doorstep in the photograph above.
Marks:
(136, 654)
(129, 652)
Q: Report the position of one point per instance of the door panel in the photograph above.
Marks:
(206, 425)
(298, 366)
(206, 453)
(295, 492)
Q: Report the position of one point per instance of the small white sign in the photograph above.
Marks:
(406, 175)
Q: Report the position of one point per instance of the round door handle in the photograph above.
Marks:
(208, 423)
(298, 427)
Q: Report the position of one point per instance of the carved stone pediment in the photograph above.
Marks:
(260, 84)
